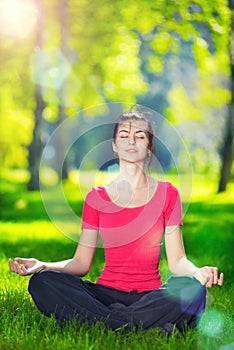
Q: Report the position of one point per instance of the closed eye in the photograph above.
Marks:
(140, 135)
(123, 134)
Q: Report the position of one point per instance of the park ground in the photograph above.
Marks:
(26, 230)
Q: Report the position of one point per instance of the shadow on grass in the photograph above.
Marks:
(28, 207)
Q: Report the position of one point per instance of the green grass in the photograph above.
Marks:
(26, 231)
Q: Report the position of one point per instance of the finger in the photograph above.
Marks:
(210, 280)
(14, 267)
(26, 271)
(23, 271)
(17, 268)
(11, 265)
(215, 275)
(206, 280)
(221, 279)
(20, 260)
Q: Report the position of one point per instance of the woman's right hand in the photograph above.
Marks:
(24, 267)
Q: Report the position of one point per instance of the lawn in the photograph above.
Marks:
(27, 231)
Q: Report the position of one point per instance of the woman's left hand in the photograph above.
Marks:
(209, 276)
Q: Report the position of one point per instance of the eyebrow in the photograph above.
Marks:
(124, 130)
(138, 131)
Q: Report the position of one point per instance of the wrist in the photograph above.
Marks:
(195, 271)
(44, 266)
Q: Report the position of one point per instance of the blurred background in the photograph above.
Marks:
(68, 69)
(73, 59)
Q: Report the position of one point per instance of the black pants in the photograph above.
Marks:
(179, 302)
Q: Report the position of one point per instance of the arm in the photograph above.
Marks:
(78, 265)
(180, 265)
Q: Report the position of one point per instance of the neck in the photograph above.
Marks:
(133, 174)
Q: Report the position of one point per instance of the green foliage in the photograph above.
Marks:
(102, 60)
(199, 20)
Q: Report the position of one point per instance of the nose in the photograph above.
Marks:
(131, 140)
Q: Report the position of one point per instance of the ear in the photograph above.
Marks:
(152, 149)
(114, 146)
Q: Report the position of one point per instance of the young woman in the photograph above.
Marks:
(131, 213)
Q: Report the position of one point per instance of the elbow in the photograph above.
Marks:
(84, 272)
(84, 269)
(80, 268)
(172, 267)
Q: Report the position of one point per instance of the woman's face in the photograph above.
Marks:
(131, 143)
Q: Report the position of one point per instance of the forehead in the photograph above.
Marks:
(133, 125)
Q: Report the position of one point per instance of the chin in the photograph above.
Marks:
(132, 159)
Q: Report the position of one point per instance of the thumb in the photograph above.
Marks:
(21, 260)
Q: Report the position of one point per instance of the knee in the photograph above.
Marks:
(193, 297)
(39, 280)
(42, 287)
(186, 288)
(197, 290)
(184, 281)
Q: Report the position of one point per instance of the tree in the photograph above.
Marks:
(105, 51)
(17, 90)
(35, 148)
(65, 50)
(227, 151)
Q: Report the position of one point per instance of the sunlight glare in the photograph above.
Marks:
(17, 18)
(21, 204)
(212, 323)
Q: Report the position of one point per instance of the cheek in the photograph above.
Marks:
(120, 143)
(143, 145)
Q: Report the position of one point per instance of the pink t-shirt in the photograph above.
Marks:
(132, 237)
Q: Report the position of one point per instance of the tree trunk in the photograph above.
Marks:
(64, 33)
(227, 152)
(35, 148)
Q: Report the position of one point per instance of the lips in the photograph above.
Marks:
(131, 150)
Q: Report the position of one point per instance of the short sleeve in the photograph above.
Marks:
(90, 213)
(173, 207)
